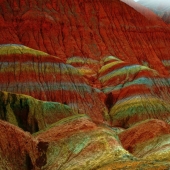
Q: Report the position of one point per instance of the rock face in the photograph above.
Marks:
(143, 132)
(77, 143)
(84, 28)
(18, 148)
(134, 92)
(42, 76)
(71, 143)
(148, 139)
(84, 85)
(30, 114)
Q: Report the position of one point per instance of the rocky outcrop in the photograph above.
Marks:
(133, 137)
(77, 143)
(148, 140)
(17, 148)
(71, 143)
(30, 114)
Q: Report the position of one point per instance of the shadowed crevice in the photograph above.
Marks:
(109, 101)
(29, 162)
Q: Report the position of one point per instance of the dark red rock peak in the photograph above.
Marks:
(92, 29)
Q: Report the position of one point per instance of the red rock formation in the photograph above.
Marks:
(75, 142)
(92, 70)
(143, 132)
(17, 148)
(70, 143)
(148, 140)
(91, 29)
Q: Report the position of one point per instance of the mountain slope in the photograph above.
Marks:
(89, 29)
(35, 73)
(84, 85)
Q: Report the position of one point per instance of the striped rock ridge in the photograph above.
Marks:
(44, 77)
(142, 132)
(134, 92)
(88, 68)
(148, 140)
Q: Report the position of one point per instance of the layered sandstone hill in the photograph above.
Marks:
(97, 114)
(84, 85)
(31, 72)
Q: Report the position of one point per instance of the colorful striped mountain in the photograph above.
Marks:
(84, 85)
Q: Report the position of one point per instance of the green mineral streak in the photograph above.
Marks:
(67, 69)
(11, 116)
(77, 147)
(81, 60)
(140, 81)
(50, 106)
(128, 71)
(31, 114)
